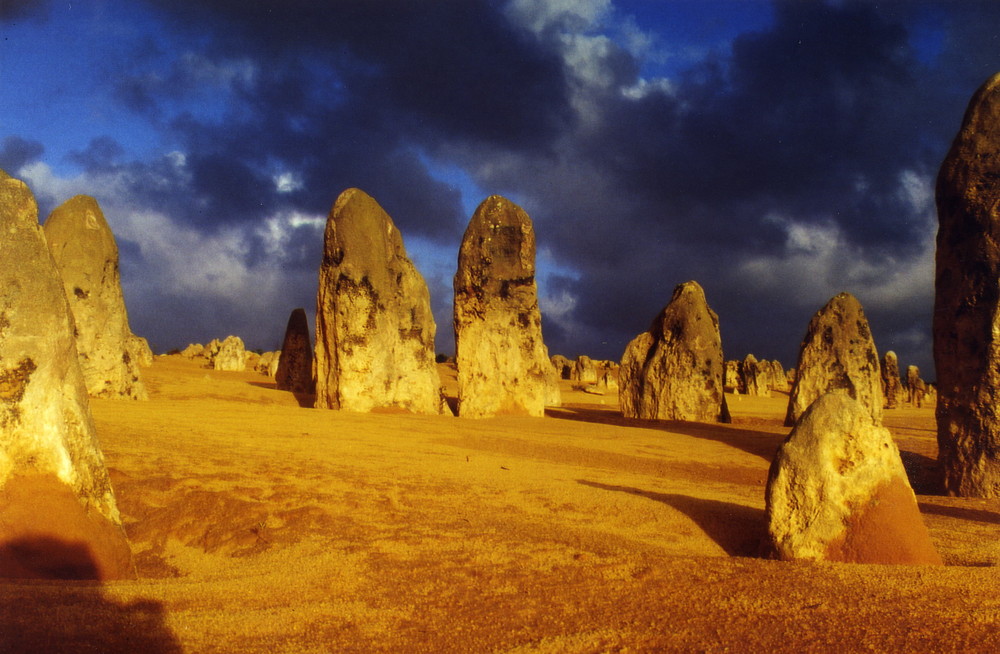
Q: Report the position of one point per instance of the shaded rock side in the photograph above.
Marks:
(892, 386)
(674, 371)
(837, 491)
(374, 326)
(503, 364)
(86, 256)
(966, 322)
(294, 371)
(837, 353)
(562, 366)
(54, 486)
(231, 355)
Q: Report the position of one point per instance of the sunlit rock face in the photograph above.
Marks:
(503, 364)
(562, 366)
(294, 371)
(86, 256)
(778, 380)
(58, 515)
(231, 355)
(837, 491)
(916, 388)
(967, 302)
(892, 385)
(139, 350)
(374, 326)
(837, 353)
(674, 371)
(755, 376)
(584, 370)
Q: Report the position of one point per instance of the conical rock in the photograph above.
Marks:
(374, 325)
(837, 491)
(294, 371)
(674, 371)
(86, 255)
(837, 353)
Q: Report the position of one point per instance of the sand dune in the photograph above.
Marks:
(260, 525)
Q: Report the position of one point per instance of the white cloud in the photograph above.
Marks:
(287, 182)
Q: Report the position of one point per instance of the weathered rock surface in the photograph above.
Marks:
(294, 371)
(779, 380)
(139, 350)
(503, 364)
(915, 386)
(585, 370)
(193, 350)
(967, 301)
(731, 377)
(837, 491)
(232, 355)
(86, 256)
(374, 326)
(264, 363)
(892, 386)
(755, 376)
(563, 366)
(54, 487)
(674, 370)
(272, 366)
(837, 353)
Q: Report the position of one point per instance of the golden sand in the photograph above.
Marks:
(262, 526)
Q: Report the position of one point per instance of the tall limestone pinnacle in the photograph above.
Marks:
(503, 364)
(837, 354)
(86, 255)
(967, 302)
(374, 326)
(54, 486)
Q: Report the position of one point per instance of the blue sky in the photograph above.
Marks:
(778, 153)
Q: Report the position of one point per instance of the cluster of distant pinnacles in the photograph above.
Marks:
(836, 490)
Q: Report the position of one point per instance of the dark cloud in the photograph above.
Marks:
(830, 122)
(16, 151)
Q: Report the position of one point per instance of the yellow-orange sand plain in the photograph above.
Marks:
(262, 526)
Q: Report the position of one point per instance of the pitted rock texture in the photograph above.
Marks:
(837, 353)
(139, 350)
(231, 356)
(374, 326)
(503, 364)
(967, 302)
(54, 486)
(295, 366)
(892, 386)
(86, 256)
(837, 491)
(674, 370)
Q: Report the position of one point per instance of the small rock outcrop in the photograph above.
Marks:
(837, 491)
(232, 355)
(294, 371)
(54, 486)
(837, 353)
(193, 350)
(967, 301)
(503, 364)
(731, 377)
(674, 370)
(892, 387)
(585, 370)
(86, 256)
(374, 326)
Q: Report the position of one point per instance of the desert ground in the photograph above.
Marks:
(260, 525)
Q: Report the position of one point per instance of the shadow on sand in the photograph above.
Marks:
(739, 530)
(305, 400)
(758, 443)
(47, 607)
(960, 513)
(923, 473)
